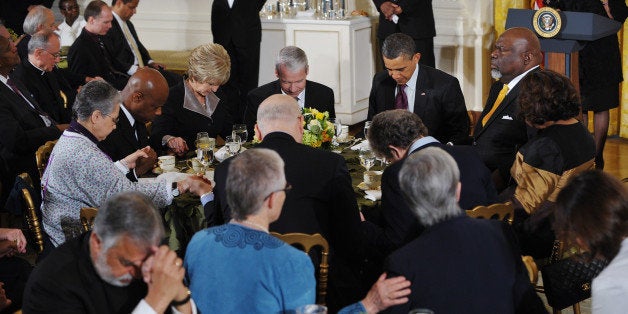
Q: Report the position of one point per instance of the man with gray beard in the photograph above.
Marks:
(118, 267)
(499, 132)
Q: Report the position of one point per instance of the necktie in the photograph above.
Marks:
(44, 116)
(133, 43)
(401, 100)
(498, 101)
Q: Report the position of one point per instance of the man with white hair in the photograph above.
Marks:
(291, 69)
(458, 260)
(118, 267)
(43, 79)
(38, 18)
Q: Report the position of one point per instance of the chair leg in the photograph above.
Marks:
(576, 308)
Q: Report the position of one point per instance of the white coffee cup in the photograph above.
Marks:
(166, 163)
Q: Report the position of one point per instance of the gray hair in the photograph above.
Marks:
(399, 128)
(35, 18)
(130, 214)
(253, 175)
(292, 58)
(40, 40)
(277, 110)
(429, 179)
(398, 44)
(95, 95)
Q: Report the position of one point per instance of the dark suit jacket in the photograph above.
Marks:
(46, 90)
(239, 24)
(178, 121)
(416, 21)
(317, 96)
(87, 58)
(498, 141)
(465, 265)
(438, 102)
(400, 225)
(322, 199)
(119, 48)
(67, 282)
(121, 142)
(23, 131)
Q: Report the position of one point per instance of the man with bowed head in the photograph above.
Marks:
(118, 267)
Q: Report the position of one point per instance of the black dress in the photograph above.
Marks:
(599, 60)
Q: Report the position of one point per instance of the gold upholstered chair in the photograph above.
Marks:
(42, 155)
(501, 211)
(29, 208)
(306, 242)
(88, 214)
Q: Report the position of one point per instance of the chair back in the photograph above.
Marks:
(307, 242)
(30, 212)
(88, 214)
(42, 155)
(533, 270)
(501, 211)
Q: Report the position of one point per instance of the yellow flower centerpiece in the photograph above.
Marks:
(317, 130)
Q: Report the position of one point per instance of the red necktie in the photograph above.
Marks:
(401, 100)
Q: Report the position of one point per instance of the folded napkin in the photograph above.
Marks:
(363, 144)
(373, 195)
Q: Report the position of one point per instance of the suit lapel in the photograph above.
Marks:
(126, 130)
(420, 93)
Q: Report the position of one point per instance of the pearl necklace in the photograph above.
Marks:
(252, 224)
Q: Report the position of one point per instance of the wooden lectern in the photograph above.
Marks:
(561, 51)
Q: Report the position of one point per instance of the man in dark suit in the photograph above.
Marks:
(125, 46)
(88, 55)
(41, 76)
(237, 27)
(458, 260)
(414, 18)
(291, 69)
(322, 199)
(142, 99)
(500, 131)
(118, 267)
(23, 124)
(433, 95)
(396, 135)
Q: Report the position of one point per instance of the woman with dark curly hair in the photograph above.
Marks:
(561, 149)
(592, 211)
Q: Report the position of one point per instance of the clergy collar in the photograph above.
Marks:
(36, 67)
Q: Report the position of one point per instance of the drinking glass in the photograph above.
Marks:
(367, 125)
(233, 144)
(241, 131)
(201, 135)
(367, 158)
(205, 151)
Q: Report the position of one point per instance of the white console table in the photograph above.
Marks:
(340, 55)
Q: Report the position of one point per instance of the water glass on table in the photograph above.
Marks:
(233, 144)
(241, 131)
(367, 158)
(205, 149)
(367, 125)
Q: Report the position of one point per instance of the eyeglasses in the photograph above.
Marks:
(287, 188)
(115, 120)
(54, 55)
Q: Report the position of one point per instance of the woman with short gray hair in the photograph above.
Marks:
(79, 174)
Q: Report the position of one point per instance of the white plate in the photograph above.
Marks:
(346, 140)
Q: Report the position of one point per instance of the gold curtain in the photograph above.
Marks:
(619, 116)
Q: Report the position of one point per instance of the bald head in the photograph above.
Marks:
(516, 51)
(280, 113)
(145, 93)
